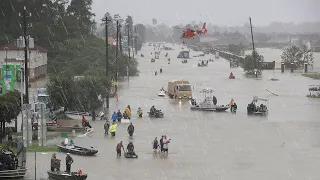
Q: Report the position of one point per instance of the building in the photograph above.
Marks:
(13, 53)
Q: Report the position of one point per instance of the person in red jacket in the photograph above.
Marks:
(83, 120)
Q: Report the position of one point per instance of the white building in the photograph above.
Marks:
(37, 57)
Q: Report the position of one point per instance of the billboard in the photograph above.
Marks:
(8, 76)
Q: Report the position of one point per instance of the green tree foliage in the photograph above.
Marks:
(81, 57)
(141, 32)
(10, 107)
(77, 93)
(297, 55)
(129, 21)
(236, 49)
(252, 61)
(112, 31)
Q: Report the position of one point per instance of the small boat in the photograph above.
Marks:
(158, 114)
(208, 103)
(184, 61)
(65, 128)
(153, 60)
(77, 150)
(232, 77)
(66, 176)
(162, 93)
(130, 156)
(9, 174)
(211, 60)
(221, 108)
(255, 109)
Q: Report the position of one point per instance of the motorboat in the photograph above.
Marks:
(162, 93)
(59, 175)
(255, 109)
(9, 167)
(65, 128)
(67, 147)
(158, 114)
(126, 155)
(184, 61)
(314, 91)
(153, 60)
(141, 55)
(11, 174)
(208, 103)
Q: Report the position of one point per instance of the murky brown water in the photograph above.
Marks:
(208, 145)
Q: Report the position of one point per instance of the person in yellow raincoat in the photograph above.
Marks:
(233, 105)
(232, 102)
(128, 112)
(113, 129)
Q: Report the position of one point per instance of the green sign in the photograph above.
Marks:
(8, 76)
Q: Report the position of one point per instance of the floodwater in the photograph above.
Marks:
(207, 145)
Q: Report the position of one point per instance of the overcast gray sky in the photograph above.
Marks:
(220, 12)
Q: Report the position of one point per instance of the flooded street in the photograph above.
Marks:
(206, 145)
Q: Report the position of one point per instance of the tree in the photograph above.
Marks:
(77, 93)
(80, 12)
(236, 49)
(252, 61)
(60, 88)
(154, 21)
(129, 21)
(141, 32)
(10, 107)
(297, 55)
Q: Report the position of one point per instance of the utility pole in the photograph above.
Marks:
(106, 20)
(26, 44)
(128, 63)
(26, 123)
(120, 39)
(135, 39)
(253, 49)
(117, 56)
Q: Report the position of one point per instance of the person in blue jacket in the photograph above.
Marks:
(114, 116)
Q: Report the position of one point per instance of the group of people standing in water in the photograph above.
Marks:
(162, 144)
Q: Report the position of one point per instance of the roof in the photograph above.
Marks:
(13, 46)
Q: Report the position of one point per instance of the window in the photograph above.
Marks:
(184, 88)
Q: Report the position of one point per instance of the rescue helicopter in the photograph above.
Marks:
(190, 33)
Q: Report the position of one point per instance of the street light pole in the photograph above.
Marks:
(106, 20)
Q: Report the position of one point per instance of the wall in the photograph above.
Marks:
(38, 61)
